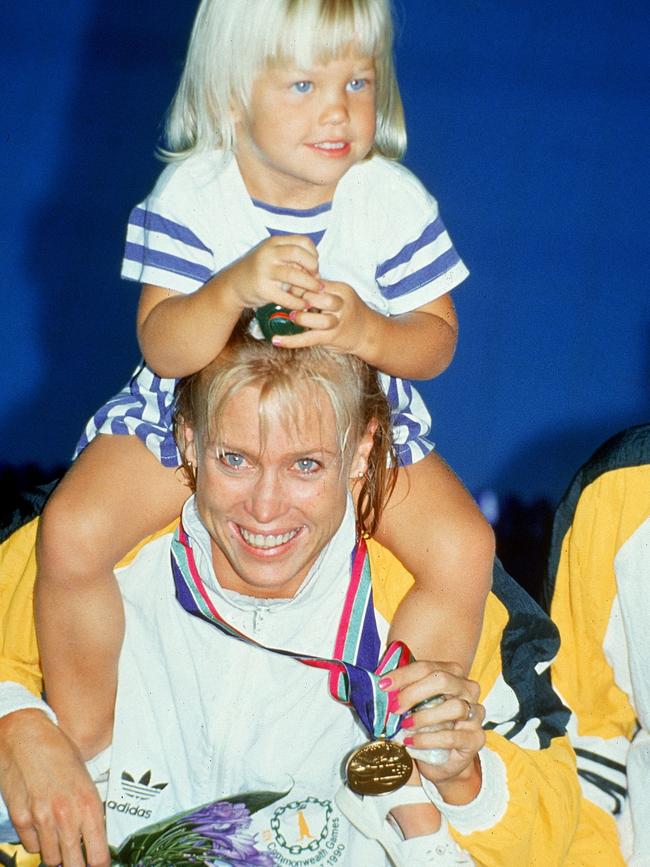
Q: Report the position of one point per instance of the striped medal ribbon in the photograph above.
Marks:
(381, 765)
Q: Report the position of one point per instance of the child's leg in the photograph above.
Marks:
(114, 494)
(435, 528)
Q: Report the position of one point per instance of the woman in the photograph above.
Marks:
(266, 545)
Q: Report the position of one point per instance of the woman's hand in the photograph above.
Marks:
(51, 799)
(454, 724)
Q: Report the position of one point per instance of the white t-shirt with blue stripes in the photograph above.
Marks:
(382, 234)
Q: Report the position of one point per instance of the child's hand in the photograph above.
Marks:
(454, 725)
(336, 318)
(280, 270)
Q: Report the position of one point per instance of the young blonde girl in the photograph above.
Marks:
(284, 187)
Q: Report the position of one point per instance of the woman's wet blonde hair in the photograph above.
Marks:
(232, 41)
(291, 378)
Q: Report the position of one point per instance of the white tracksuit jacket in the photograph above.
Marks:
(201, 716)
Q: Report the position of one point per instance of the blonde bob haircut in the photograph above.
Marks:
(232, 41)
(292, 379)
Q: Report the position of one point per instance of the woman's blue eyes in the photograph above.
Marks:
(307, 465)
(235, 461)
(232, 459)
(303, 86)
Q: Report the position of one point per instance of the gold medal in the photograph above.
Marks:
(378, 767)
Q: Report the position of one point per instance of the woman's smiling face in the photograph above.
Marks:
(272, 495)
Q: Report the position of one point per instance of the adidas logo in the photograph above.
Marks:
(143, 789)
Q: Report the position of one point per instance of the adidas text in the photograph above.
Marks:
(130, 809)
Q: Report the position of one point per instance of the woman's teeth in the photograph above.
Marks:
(257, 540)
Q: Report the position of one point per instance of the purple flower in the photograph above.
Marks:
(225, 826)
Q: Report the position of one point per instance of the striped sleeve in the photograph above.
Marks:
(421, 262)
(162, 250)
(425, 268)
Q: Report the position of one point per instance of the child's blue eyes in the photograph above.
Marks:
(354, 85)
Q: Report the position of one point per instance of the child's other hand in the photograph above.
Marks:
(280, 270)
(336, 318)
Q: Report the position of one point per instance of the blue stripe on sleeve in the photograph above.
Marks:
(166, 262)
(431, 232)
(419, 278)
(155, 223)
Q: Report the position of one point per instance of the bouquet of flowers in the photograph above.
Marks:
(214, 835)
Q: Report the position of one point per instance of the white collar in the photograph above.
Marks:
(333, 561)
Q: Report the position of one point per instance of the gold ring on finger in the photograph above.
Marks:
(470, 711)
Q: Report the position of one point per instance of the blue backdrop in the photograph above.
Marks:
(528, 121)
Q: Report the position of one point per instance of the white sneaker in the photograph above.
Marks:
(370, 816)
